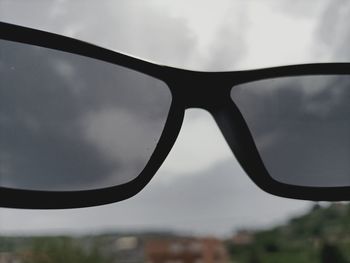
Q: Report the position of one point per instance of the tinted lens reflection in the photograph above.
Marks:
(69, 122)
(301, 127)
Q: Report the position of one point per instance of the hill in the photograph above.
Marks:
(322, 235)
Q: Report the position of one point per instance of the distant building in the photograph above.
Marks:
(136, 248)
(185, 250)
(130, 249)
(121, 249)
(6, 257)
(243, 238)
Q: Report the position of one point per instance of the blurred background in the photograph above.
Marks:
(200, 201)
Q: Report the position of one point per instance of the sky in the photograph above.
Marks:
(200, 188)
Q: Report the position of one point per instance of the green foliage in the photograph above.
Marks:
(331, 253)
(59, 249)
(320, 236)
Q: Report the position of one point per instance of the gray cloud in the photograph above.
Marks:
(230, 48)
(134, 27)
(210, 202)
(300, 125)
(332, 32)
(72, 123)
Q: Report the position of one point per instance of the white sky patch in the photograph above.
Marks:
(200, 145)
(124, 138)
(275, 38)
(56, 9)
(206, 20)
(203, 17)
(64, 68)
(120, 135)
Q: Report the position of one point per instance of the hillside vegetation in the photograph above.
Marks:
(320, 236)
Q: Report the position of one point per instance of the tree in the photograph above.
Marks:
(254, 257)
(330, 254)
(58, 250)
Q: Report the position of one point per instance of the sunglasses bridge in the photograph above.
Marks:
(205, 90)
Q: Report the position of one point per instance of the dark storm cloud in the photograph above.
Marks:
(69, 122)
(301, 127)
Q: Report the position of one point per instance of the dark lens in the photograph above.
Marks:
(69, 122)
(301, 127)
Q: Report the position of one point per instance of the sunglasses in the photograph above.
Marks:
(81, 125)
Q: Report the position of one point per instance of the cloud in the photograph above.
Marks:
(73, 123)
(209, 202)
(133, 27)
(219, 28)
(332, 32)
(300, 126)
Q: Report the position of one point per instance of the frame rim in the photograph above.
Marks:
(188, 89)
(34, 199)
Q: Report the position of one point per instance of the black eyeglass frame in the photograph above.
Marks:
(206, 90)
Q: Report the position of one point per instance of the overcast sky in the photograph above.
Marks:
(200, 188)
